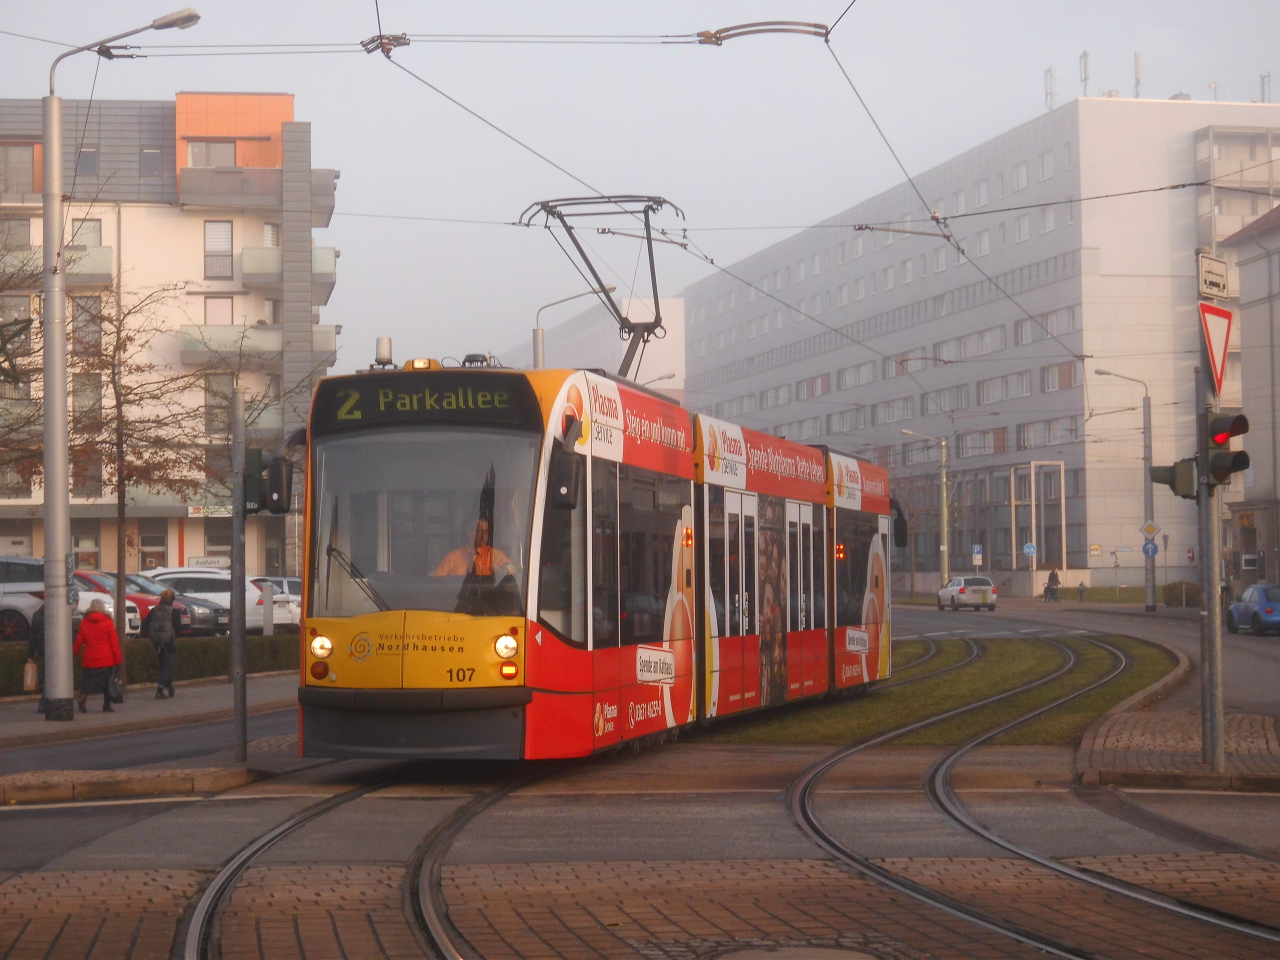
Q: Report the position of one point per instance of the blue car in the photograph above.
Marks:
(1258, 609)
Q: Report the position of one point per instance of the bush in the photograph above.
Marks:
(198, 657)
(1173, 593)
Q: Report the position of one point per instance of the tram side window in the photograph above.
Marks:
(562, 584)
(855, 532)
(604, 553)
(650, 519)
(715, 555)
(793, 574)
(819, 566)
(749, 626)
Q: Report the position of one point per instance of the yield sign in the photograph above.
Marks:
(1216, 326)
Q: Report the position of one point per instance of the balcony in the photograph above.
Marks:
(260, 345)
(253, 188)
(89, 266)
(264, 267)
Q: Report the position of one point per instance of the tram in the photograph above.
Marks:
(526, 564)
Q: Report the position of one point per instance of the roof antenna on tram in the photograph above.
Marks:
(635, 206)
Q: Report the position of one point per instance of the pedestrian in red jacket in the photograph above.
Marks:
(97, 638)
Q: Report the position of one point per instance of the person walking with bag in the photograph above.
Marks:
(164, 641)
(101, 655)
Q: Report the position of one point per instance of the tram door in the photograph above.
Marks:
(805, 649)
(740, 647)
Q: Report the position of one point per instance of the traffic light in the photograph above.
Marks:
(1223, 461)
(1180, 478)
(255, 493)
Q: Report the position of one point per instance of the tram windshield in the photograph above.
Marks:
(422, 519)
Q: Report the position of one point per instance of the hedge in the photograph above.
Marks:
(1173, 593)
(197, 657)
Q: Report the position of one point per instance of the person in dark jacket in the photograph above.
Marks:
(35, 650)
(163, 637)
(97, 638)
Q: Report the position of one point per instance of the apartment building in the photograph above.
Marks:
(204, 208)
(852, 337)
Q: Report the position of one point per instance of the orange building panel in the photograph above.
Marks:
(252, 120)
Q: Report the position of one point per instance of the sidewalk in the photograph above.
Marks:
(196, 702)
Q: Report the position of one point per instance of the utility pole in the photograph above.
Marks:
(241, 727)
(1213, 751)
(944, 547)
(1148, 500)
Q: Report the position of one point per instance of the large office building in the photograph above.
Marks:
(882, 342)
(191, 222)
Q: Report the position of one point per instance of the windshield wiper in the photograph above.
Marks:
(358, 578)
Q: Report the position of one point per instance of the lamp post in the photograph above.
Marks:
(57, 493)
(539, 358)
(944, 521)
(1148, 495)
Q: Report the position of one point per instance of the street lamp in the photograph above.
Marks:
(57, 494)
(1148, 496)
(944, 546)
(539, 359)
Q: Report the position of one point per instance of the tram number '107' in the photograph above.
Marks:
(461, 675)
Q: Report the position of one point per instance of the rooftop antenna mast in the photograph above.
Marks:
(1137, 76)
(1084, 74)
(1050, 89)
(568, 209)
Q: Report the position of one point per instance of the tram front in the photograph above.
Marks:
(421, 489)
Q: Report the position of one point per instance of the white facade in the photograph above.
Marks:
(848, 337)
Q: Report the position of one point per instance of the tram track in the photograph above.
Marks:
(801, 803)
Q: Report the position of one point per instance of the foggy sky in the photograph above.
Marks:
(760, 132)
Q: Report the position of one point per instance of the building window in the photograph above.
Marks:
(1071, 210)
(1022, 228)
(1060, 376)
(892, 411)
(1003, 236)
(840, 253)
(856, 376)
(900, 364)
(153, 542)
(86, 402)
(86, 535)
(218, 262)
(86, 481)
(888, 278)
(87, 162)
(217, 311)
(1070, 159)
(149, 162)
(860, 288)
(86, 233)
(17, 169)
(813, 386)
(815, 265)
(271, 234)
(218, 388)
(857, 247)
(1050, 221)
(1020, 177)
(959, 204)
(211, 153)
(86, 326)
(944, 401)
(217, 536)
(1009, 387)
(1046, 165)
(984, 242)
(12, 484)
(982, 194)
(1000, 185)
(274, 313)
(842, 294)
(939, 259)
(908, 267)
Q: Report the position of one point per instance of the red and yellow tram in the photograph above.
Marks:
(533, 564)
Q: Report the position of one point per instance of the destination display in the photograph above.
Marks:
(434, 397)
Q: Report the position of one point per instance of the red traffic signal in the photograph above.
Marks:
(1223, 461)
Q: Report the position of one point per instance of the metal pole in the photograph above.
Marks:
(1211, 718)
(1148, 499)
(59, 684)
(539, 356)
(944, 522)
(237, 575)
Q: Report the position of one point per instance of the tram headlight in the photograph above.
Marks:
(506, 646)
(321, 647)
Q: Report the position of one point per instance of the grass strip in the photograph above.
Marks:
(1007, 663)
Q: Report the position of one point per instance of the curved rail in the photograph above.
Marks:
(938, 786)
(975, 651)
(800, 796)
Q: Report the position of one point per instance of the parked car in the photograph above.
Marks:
(207, 617)
(1259, 607)
(287, 601)
(204, 583)
(22, 594)
(976, 592)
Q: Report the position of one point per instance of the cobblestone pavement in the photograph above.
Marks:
(114, 915)
(1166, 741)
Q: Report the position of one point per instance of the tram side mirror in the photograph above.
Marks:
(564, 479)
(901, 533)
(279, 485)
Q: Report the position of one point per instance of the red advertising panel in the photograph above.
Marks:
(629, 426)
(785, 469)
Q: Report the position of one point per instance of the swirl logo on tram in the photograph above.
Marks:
(360, 647)
(713, 451)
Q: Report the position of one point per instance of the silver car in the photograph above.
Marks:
(22, 594)
(975, 592)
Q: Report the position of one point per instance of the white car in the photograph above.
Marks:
(286, 601)
(22, 594)
(976, 592)
(207, 583)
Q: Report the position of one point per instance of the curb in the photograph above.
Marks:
(93, 785)
(1191, 617)
(194, 682)
(1140, 699)
(135, 726)
(1183, 780)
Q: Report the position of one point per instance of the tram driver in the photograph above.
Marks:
(481, 559)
